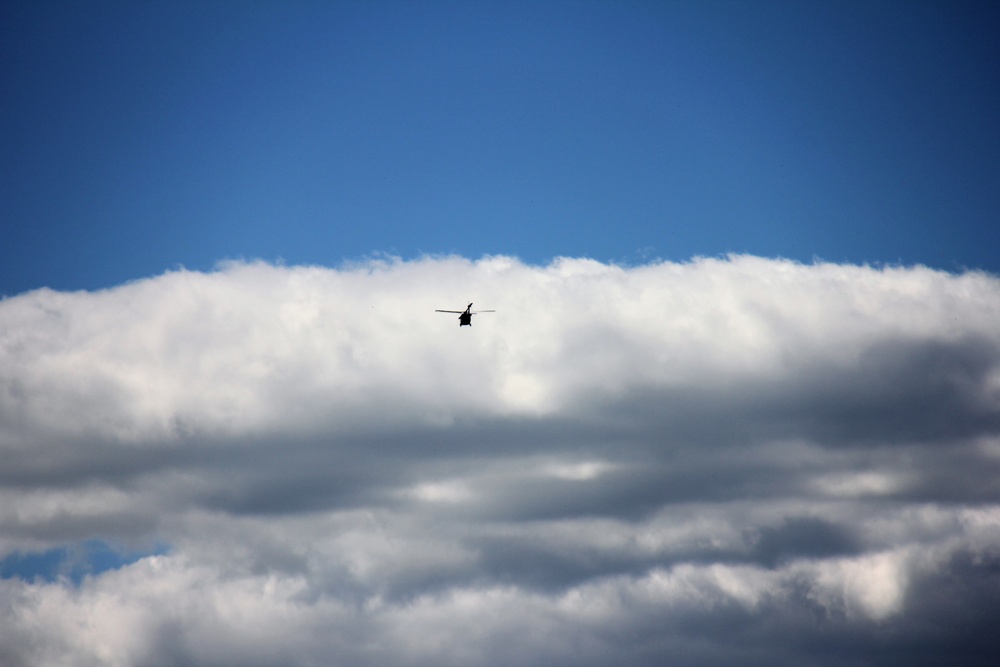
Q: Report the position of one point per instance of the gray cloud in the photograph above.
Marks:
(726, 461)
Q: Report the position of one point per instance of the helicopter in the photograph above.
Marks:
(465, 316)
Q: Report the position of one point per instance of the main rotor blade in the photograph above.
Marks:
(476, 312)
(449, 311)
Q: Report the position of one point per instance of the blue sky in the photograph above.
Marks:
(138, 137)
(236, 432)
(87, 558)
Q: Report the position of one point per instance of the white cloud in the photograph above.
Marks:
(700, 460)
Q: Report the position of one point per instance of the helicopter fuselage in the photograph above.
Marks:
(465, 316)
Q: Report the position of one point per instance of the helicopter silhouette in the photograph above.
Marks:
(465, 316)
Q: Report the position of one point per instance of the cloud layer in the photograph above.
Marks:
(727, 461)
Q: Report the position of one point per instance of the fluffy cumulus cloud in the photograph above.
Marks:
(727, 461)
